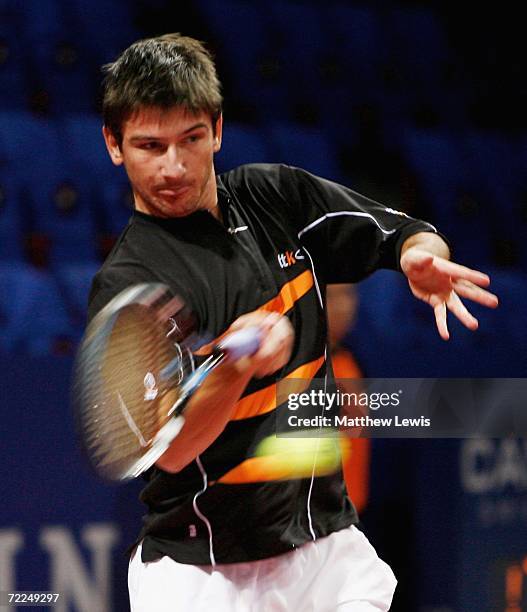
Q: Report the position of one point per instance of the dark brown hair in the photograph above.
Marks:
(164, 72)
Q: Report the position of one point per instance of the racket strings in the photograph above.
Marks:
(130, 372)
(128, 399)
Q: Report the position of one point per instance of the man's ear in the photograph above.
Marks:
(112, 145)
(217, 134)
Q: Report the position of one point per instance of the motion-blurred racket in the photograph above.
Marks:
(134, 374)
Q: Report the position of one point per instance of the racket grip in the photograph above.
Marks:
(241, 343)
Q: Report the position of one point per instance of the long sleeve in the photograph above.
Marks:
(347, 234)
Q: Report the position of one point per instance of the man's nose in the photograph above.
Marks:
(173, 163)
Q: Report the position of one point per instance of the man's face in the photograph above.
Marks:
(168, 156)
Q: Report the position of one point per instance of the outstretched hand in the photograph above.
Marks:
(440, 283)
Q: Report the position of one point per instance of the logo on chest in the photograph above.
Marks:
(289, 258)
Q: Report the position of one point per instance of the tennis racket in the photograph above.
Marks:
(134, 374)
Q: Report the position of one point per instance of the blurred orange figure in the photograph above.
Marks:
(342, 304)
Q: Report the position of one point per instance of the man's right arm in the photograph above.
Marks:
(212, 406)
(210, 409)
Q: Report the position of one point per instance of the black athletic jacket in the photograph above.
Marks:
(286, 235)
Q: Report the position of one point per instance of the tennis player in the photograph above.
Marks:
(226, 529)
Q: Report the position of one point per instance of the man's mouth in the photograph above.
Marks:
(172, 191)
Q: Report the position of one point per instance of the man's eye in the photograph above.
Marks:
(149, 146)
(193, 138)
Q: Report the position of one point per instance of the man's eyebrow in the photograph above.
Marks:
(151, 137)
(195, 127)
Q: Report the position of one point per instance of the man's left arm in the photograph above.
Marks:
(442, 283)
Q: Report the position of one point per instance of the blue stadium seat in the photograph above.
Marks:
(12, 231)
(520, 196)
(360, 47)
(42, 19)
(241, 144)
(58, 196)
(33, 318)
(497, 176)
(490, 160)
(114, 204)
(28, 145)
(82, 140)
(104, 29)
(387, 323)
(301, 43)
(62, 211)
(493, 163)
(307, 148)
(436, 155)
(252, 62)
(418, 47)
(501, 340)
(19, 132)
(18, 153)
(358, 50)
(14, 90)
(420, 63)
(63, 73)
(74, 282)
(459, 208)
(65, 78)
(81, 136)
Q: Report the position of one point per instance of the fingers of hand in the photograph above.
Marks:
(416, 262)
(276, 347)
(458, 272)
(472, 292)
(278, 340)
(277, 337)
(262, 318)
(457, 308)
(439, 286)
(440, 315)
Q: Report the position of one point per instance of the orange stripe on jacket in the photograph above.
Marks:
(291, 292)
(288, 463)
(264, 400)
(257, 469)
(355, 453)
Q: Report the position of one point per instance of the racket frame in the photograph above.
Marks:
(94, 346)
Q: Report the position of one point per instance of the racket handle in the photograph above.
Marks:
(241, 343)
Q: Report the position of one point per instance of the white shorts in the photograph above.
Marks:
(339, 572)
